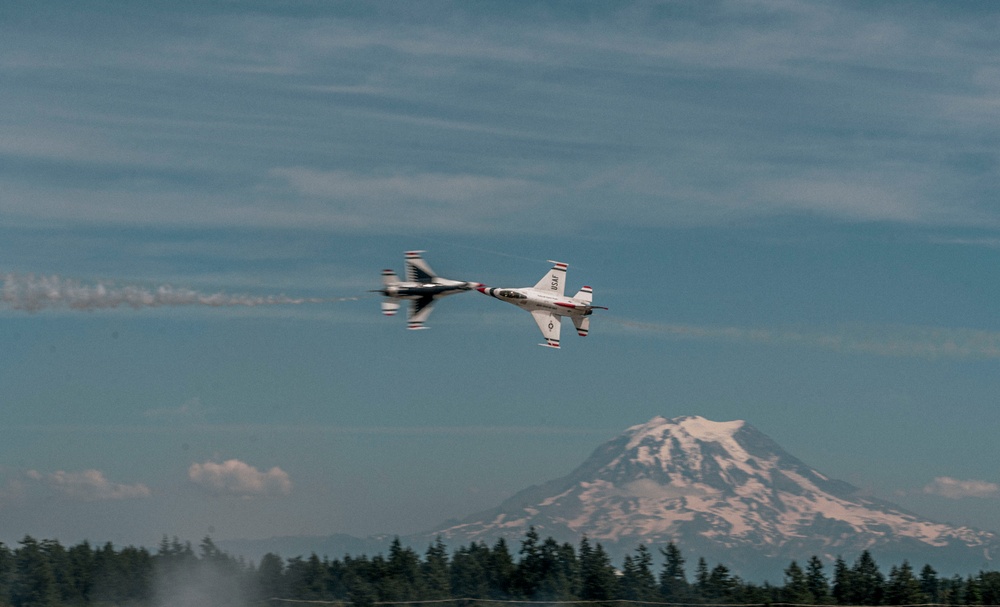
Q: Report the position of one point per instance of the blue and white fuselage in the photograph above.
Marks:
(547, 303)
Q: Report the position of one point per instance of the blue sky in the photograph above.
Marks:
(790, 209)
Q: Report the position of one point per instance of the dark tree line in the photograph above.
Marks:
(46, 574)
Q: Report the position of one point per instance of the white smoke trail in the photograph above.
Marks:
(33, 293)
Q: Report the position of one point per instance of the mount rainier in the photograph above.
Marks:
(726, 492)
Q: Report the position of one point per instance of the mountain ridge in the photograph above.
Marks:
(723, 491)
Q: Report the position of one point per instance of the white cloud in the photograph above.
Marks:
(954, 488)
(88, 485)
(233, 477)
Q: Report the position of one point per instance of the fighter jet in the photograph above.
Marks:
(422, 287)
(548, 304)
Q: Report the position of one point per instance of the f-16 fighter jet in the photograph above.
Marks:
(422, 287)
(547, 303)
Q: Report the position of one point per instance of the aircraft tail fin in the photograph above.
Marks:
(582, 324)
(585, 294)
(389, 277)
(417, 269)
(554, 280)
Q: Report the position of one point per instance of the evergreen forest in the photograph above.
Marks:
(44, 573)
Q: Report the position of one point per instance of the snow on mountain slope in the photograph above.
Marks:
(718, 488)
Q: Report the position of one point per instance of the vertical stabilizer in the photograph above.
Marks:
(417, 269)
(555, 281)
(389, 277)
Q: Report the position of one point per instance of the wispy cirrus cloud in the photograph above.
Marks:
(191, 410)
(444, 120)
(234, 477)
(954, 488)
(413, 199)
(891, 341)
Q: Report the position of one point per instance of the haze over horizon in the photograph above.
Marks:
(789, 208)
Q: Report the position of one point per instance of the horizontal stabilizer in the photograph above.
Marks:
(582, 324)
(585, 294)
(390, 306)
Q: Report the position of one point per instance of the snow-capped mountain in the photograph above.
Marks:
(727, 492)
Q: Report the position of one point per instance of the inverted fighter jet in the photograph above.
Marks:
(422, 287)
(548, 304)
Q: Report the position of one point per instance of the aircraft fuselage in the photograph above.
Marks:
(403, 290)
(533, 299)
(547, 303)
(422, 287)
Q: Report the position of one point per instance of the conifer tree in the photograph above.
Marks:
(358, 573)
(989, 587)
(955, 590)
(529, 567)
(929, 584)
(701, 578)
(843, 587)
(598, 578)
(720, 584)
(305, 578)
(971, 594)
(560, 571)
(500, 565)
(902, 588)
(867, 582)
(434, 571)
(470, 572)
(7, 569)
(80, 561)
(673, 580)
(34, 583)
(637, 581)
(819, 586)
(403, 567)
(796, 588)
(270, 577)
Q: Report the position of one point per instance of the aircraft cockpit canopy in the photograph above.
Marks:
(508, 294)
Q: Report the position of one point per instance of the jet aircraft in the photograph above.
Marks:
(422, 287)
(547, 303)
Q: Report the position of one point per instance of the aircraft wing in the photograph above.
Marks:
(555, 281)
(419, 310)
(549, 324)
